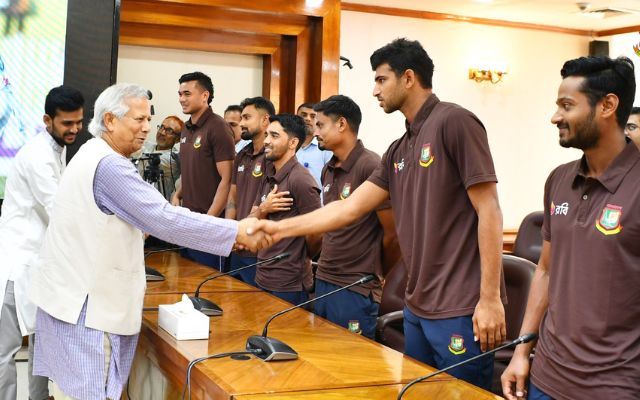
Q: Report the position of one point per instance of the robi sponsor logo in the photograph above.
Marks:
(560, 209)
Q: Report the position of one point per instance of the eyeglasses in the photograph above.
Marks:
(631, 127)
(167, 131)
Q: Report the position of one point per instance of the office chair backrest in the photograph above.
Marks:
(528, 242)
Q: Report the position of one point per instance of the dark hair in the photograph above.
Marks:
(203, 81)
(634, 110)
(403, 54)
(604, 75)
(305, 105)
(233, 108)
(341, 106)
(260, 103)
(293, 125)
(63, 98)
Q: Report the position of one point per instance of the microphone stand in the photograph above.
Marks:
(152, 274)
(270, 349)
(522, 339)
(211, 309)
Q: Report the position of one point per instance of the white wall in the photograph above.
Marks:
(515, 112)
(234, 76)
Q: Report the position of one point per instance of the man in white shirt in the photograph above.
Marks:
(311, 155)
(31, 185)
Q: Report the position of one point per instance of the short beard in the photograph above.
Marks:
(247, 135)
(586, 134)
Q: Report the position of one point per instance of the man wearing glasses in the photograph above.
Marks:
(632, 128)
(167, 146)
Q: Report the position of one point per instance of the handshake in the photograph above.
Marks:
(256, 234)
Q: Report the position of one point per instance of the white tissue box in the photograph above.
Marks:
(182, 322)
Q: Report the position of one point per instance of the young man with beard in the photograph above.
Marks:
(248, 174)
(368, 246)
(31, 186)
(442, 184)
(584, 299)
(290, 278)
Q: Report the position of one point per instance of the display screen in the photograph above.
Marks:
(32, 53)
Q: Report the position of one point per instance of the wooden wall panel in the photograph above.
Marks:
(299, 43)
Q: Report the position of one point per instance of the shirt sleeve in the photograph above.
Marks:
(43, 183)
(306, 195)
(222, 144)
(380, 176)
(466, 143)
(119, 190)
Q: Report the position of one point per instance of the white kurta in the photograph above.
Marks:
(30, 188)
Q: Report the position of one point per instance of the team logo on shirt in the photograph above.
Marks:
(346, 191)
(241, 168)
(398, 166)
(257, 170)
(183, 140)
(456, 345)
(560, 209)
(609, 221)
(426, 158)
(327, 187)
(197, 143)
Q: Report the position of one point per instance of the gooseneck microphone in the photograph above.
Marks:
(211, 309)
(270, 349)
(526, 338)
(153, 275)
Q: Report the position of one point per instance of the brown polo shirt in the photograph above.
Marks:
(589, 346)
(356, 250)
(248, 174)
(293, 273)
(427, 172)
(202, 145)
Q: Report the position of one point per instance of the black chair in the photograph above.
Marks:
(518, 274)
(528, 242)
(389, 329)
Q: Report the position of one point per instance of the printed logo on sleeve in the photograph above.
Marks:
(426, 158)
(327, 187)
(609, 221)
(241, 168)
(560, 209)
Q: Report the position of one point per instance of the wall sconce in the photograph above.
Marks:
(491, 75)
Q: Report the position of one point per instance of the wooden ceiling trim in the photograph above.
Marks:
(196, 39)
(181, 16)
(301, 7)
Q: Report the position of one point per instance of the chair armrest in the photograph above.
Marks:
(384, 320)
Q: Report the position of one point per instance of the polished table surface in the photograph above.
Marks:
(184, 276)
(329, 356)
(440, 390)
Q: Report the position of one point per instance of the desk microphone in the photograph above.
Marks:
(526, 338)
(270, 349)
(211, 309)
(153, 275)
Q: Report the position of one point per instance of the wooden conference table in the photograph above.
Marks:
(333, 363)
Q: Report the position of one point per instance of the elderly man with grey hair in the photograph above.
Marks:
(89, 280)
